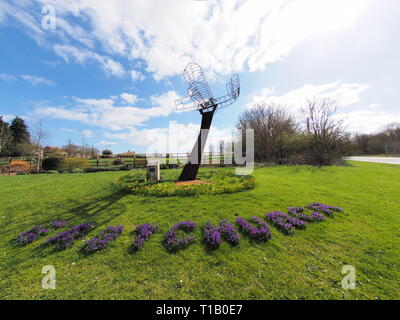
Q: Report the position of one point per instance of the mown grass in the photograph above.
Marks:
(305, 265)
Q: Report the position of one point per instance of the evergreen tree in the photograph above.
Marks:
(5, 138)
(20, 136)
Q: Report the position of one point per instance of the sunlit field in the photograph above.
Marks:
(305, 265)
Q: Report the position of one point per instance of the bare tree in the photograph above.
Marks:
(392, 132)
(39, 136)
(221, 147)
(94, 152)
(83, 147)
(325, 134)
(71, 149)
(273, 126)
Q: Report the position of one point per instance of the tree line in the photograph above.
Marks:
(18, 140)
(15, 139)
(387, 141)
(319, 139)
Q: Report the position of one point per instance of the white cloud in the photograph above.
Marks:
(104, 113)
(344, 94)
(7, 117)
(87, 133)
(33, 80)
(223, 36)
(2, 14)
(177, 138)
(83, 56)
(7, 77)
(23, 17)
(137, 76)
(129, 98)
(367, 121)
(107, 143)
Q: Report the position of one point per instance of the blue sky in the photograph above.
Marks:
(111, 70)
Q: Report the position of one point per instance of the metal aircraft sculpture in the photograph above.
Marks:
(200, 94)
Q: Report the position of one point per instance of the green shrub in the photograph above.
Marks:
(52, 172)
(52, 163)
(124, 167)
(69, 164)
(77, 170)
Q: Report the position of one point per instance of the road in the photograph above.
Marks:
(391, 160)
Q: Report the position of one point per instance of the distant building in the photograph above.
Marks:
(129, 154)
(50, 151)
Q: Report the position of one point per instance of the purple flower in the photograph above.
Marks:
(172, 243)
(211, 235)
(284, 222)
(228, 232)
(57, 224)
(296, 210)
(31, 235)
(65, 239)
(324, 208)
(143, 233)
(317, 216)
(105, 236)
(297, 223)
(259, 233)
(303, 214)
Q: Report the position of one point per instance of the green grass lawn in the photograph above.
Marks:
(305, 265)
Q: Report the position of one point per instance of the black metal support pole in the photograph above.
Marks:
(190, 170)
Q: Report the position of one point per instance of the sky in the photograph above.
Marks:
(110, 71)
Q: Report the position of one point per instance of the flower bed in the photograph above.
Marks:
(212, 236)
(172, 243)
(66, 239)
(105, 236)
(143, 233)
(284, 222)
(303, 214)
(324, 208)
(259, 233)
(31, 235)
(224, 182)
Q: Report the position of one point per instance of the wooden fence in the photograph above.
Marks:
(7, 167)
(140, 161)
